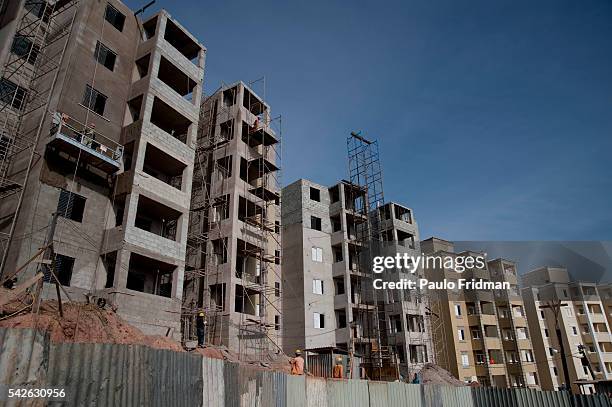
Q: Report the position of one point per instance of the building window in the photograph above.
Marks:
(277, 322)
(25, 48)
(461, 334)
(315, 194)
(574, 331)
(545, 333)
(277, 289)
(318, 320)
(317, 254)
(12, 94)
(542, 314)
(94, 100)
(315, 223)
(465, 359)
(458, 310)
(71, 206)
(317, 286)
(105, 56)
(555, 372)
(62, 267)
(114, 16)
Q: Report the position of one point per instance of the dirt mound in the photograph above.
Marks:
(86, 323)
(433, 374)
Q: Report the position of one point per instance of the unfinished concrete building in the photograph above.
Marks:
(480, 335)
(234, 254)
(99, 112)
(328, 298)
(581, 313)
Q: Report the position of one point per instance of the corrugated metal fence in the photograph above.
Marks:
(134, 375)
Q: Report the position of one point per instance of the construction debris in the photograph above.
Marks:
(433, 374)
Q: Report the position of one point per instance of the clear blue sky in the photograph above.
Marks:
(494, 117)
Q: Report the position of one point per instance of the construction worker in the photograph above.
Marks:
(201, 329)
(338, 372)
(297, 364)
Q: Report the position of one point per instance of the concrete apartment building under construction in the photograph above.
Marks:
(480, 335)
(328, 299)
(581, 311)
(105, 108)
(234, 250)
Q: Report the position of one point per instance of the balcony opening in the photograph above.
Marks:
(12, 94)
(339, 286)
(248, 268)
(354, 198)
(487, 308)
(141, 68)
(163, 166)
(119, 209)
(223, 167)
(252, 103)
(257, 134)
(157, 218)
(490, 331)
(402, 213)
(385, 212)
(250, 213)
(334, 194)
(149, 28)
(147, 275)
(227, 130)
(169, 120)
(229, 97)
(251, 171)
(108, 261)
(246, 301)
(405, 239)
(176, 79)
(221, 208)
(217, 297)
(338, 256)
(133, 112)
(219, 251)
(387, 235)
(181, 41)
(495, 356)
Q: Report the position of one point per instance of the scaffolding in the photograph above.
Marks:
(29, 78)
(366, 197)
(258, 209)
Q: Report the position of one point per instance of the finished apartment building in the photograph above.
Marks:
(480, 335)
(328, 298)
(115, 156)
(582, 318)
(234, 255)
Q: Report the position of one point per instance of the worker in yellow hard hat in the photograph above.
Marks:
(297, 363)
(201, 328)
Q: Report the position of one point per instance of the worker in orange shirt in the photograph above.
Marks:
(297, 364)
(338, 372)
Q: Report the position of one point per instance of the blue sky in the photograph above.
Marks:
(494, 117)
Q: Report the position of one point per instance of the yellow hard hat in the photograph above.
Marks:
(201, 314)
(298, 352)
(338, 358)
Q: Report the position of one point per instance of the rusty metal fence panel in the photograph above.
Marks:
(135, 375)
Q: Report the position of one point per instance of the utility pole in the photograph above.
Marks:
(555, 306)
(47, 262)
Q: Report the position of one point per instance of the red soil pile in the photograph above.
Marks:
(86, 323)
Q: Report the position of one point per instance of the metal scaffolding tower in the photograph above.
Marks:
(28, 80)
(366, 198)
